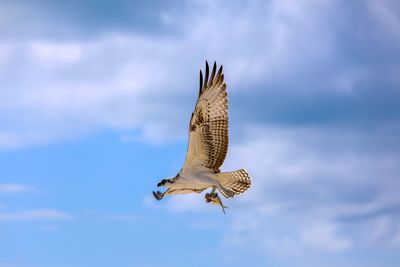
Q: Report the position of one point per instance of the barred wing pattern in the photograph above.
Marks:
(237, 182)
(208, 128)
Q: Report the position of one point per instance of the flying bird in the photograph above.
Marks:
(207, 147)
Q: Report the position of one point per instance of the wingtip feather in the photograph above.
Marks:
(212, 74)
(201, 83)
(206, 76)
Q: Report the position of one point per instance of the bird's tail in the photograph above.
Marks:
(233, 183)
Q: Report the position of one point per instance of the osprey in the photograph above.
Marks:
(207, 147)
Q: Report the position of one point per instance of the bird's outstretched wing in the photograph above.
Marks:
(208, 128)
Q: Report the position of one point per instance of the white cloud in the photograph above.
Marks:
(74, 89)
(15, 188)
(314, 189)
(58, 89)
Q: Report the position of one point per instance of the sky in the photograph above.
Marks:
(95, 101)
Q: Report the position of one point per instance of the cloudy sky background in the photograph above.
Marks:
(95, 98)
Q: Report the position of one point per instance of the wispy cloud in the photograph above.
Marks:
(188, 203)
(125, 217)
(12, 188)
(121, 217)
(324, 236)
(35, 215)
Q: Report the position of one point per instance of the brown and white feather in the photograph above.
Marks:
(237, 182)
(208, 128)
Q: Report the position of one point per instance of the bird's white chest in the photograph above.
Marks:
(198, 179)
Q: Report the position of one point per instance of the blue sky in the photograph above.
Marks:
(95, 98)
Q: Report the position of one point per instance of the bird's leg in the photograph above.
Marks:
(214, 188)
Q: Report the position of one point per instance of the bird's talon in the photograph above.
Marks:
(157, 195)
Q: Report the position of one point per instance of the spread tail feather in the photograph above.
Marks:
(233, 183)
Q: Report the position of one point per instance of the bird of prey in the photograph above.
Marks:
(207, 147)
